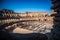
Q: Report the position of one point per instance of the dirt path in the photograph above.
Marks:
(21, 30)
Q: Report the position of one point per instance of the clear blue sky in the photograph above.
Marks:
(27, 5)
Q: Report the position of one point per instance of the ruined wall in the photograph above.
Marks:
(28, 20)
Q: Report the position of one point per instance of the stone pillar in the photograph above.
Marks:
(56, 27)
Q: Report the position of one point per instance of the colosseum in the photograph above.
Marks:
(28, 22)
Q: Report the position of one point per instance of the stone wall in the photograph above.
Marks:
(56, 27)
(38, 16)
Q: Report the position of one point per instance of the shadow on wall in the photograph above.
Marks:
(16, 36)
(56, 27)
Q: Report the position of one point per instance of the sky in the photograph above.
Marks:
(26, 5)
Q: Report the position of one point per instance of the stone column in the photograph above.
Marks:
(56, 27)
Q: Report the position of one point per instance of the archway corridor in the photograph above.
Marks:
(31, 25)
